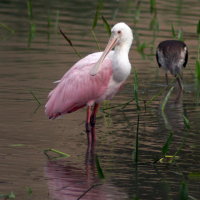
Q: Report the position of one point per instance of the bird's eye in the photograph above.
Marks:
(119, 32)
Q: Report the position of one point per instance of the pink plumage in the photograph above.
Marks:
(93, 79)
(77, 87)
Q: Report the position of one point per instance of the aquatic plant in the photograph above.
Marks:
(178, 35)
(135, 89)
(11, 195)
(32, 26)
(99, 169)
(106, 25)
(58, 154)
(35, 98)
(69, 42)
(136, 149)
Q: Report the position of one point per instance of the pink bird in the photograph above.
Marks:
(94, 78)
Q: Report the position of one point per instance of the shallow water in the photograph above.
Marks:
(30, 65)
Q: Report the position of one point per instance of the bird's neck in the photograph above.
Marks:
(121, 64)
(122, 50)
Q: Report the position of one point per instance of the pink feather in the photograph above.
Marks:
(77, 87)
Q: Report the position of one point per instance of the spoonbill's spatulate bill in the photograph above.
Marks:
(172, 55)
(93, 79)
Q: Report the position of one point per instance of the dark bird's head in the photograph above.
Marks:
(172, 55)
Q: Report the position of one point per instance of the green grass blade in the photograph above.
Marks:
(29, 191)
(166, 99)
(140, 48)
(106, 24)
(30, 9)
(70, 42)
(35, 97)
(99, 169)
(95, 38)
(7, 28)
(154, 24)
(197, 70)
(66, 38)
(183, 194)
(180, 35)
(186, 122)
(165, 147)
(135, 89)
(173, 31)
(152, 6)
(96, 17)
(11, 195)
(137, 140)
(198, 28)
(59, 153)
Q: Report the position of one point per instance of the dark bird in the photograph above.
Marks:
(172, 55)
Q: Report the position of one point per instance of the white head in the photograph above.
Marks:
(122, 33)
(121, 36)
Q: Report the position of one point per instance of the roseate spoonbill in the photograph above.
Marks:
(172, 55)
(93, 79)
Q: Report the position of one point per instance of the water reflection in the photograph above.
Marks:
(67, 181)
(173, 112)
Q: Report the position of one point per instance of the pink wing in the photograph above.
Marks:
(77, 87)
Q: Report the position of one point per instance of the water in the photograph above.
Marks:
(30, 65)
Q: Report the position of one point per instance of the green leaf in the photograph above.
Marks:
(180, 35)
(136, 150)
(37, 100)
(186, 122)
(152, 6)
(198, 28)
(59, 153)
(96, 17)
(135, 89)
(106, 24)
(17, 145)
(183, 194)
(173, 31)
(30, 9)
(29, 190)
(165, 147)
(166, 99)
(168, 159)
(11, 195)
(7, 28)
(197, 70)
(194, 175)
(154, 24)
(99, 169)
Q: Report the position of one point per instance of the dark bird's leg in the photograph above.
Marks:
(93, 115)
(87, 125)
(178, 78)
(93, 121)
(166, 78)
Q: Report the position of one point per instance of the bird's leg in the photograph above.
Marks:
(166, 78)
(178, 78)
(93, 115)
(93, 121)
(87, 125)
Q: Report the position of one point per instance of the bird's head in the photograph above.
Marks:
(121, 35)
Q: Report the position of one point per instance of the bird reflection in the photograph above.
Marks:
(173, 114)
(65, 181)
